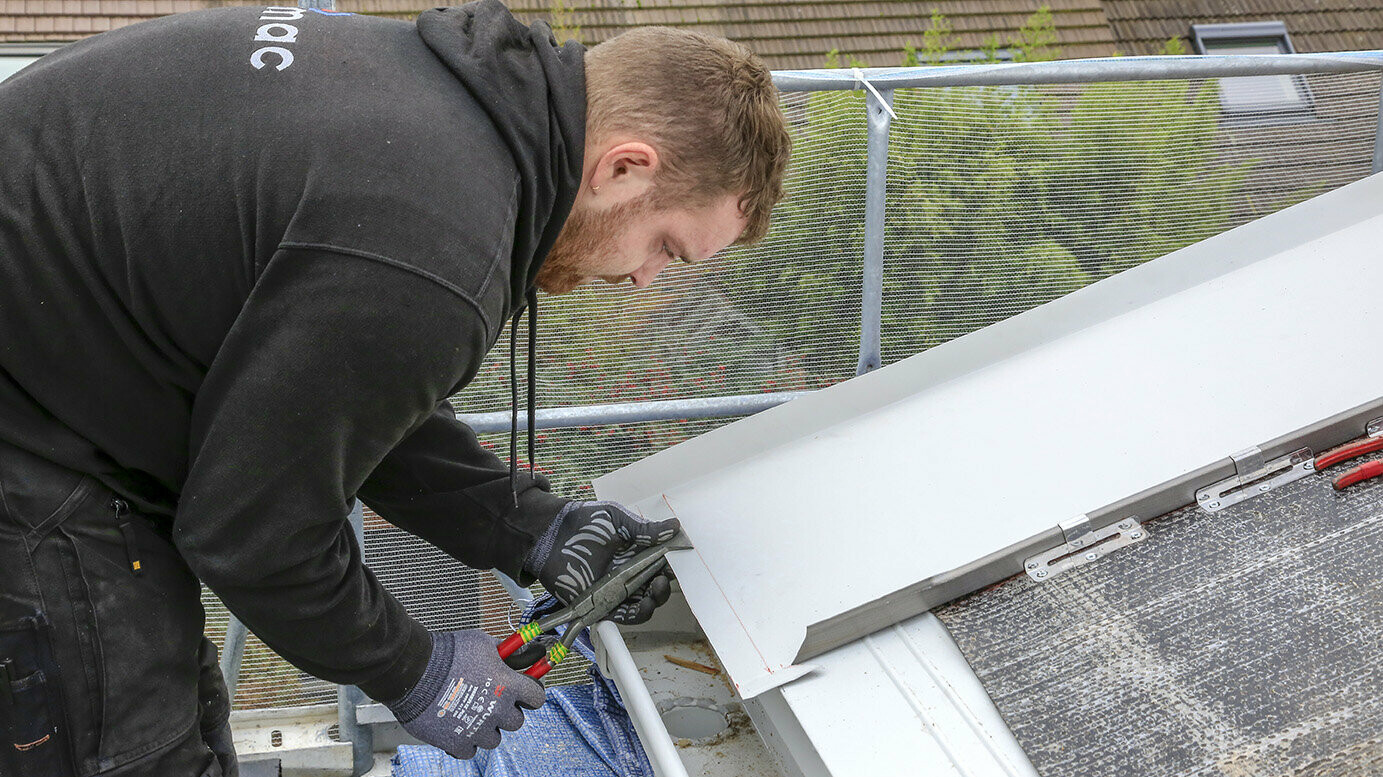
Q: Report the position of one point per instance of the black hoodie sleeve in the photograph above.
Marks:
(442, 485)
(333, 361)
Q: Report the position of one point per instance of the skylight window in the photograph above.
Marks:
(1254, 96)
(17, 56)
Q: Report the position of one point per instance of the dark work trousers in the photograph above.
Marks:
(103, 666)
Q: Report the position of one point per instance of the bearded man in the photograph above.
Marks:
(246, 255)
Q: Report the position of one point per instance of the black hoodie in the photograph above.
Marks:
(245, 256)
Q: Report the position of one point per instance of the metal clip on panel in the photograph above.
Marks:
(1075, 530)
(1375, 428)
(1083, 546)
(1254, 477)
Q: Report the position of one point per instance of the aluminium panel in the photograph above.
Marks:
(1245, 641)
(978, 449)
(900, 701)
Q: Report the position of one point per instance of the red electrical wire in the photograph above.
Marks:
(1351, 451)
(1360, 473)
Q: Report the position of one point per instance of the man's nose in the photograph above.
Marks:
(644, 276)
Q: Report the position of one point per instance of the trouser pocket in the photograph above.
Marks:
(121, 618)
(35, 737)
(146, 613)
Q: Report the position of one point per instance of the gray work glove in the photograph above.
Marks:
(466, 695)
(586, 541)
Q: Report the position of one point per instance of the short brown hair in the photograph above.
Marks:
(709, 107)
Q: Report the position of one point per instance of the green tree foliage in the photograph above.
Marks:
(999, 199)
(562, 16)
(1036, 41)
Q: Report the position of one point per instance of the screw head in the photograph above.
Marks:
(1308, 465)
(1078, 543)
(1214, 504)
(1040, 573)
(1138, 535)
(1263, 487)
(1125, 525)
(1091, 556)
(1032, 565)
(1204, 497)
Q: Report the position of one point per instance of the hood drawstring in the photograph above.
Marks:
(532, 308)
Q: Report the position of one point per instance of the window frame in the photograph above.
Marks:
(35, 50)
(1208, 35)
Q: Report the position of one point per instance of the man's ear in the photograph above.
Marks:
(623, 173)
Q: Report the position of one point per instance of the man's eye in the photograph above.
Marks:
(672, 255)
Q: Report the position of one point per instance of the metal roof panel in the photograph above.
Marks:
(898, 480)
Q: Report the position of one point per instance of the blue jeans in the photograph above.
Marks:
(103, 666)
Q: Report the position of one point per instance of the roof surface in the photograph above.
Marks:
(798, 34)
(1143, 26)
(786, 34)
(1118, 372)
(69, 20)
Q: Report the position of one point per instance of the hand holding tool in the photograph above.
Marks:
(602, 598)
(466, 696)
(588, 539)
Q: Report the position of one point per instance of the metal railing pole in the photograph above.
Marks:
(877, 106)
(516, 592)
(348, 697)
(232, 651)
(1081, 71)
(634, 412)
(1378, 133)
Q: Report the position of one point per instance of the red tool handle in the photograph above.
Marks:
(1360, 473)
(1350, 451)
(508, 646)
(539, 669)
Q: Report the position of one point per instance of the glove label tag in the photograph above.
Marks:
(469, 705)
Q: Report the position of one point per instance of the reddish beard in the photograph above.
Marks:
(576, 254)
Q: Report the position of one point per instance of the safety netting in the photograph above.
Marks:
(998, 199)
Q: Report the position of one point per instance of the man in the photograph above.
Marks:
(245, 256)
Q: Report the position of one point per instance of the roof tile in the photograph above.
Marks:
(1140, 26)
(788, 34)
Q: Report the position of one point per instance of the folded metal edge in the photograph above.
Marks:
(937, 590)
(774, 679)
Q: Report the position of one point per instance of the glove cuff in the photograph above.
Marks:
(430, 685)
(537, 556)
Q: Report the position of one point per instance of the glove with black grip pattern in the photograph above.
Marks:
(588, 540)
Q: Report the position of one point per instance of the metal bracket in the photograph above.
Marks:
(1375, 428)
(1075, 529)
(1249, 463)
(1253, 477)
(1083, 546)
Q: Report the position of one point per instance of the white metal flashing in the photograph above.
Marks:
(835, 500)
(902, 701)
